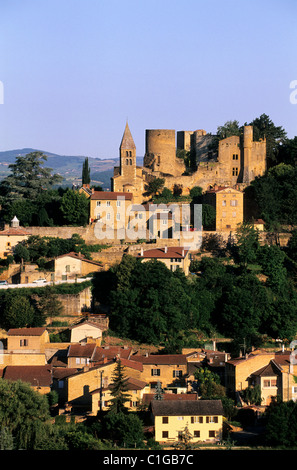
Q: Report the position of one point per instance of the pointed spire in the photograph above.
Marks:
(127, 140)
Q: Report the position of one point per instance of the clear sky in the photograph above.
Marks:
(73, 71)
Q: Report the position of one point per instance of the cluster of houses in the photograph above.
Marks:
(82, 370)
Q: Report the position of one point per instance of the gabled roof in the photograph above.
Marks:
(111, 352)
(187, 407)
(127, 142)
(162, 359)
(148, 397)
(14, 231)
(110, 195)
(85, 322)
(81, 350)
(163, 253)
(79, 256)
(40, 376)
(26, 331)
(269, 370)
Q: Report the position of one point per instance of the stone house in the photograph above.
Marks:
(276, 379)
(172, 256)
(80, 332)
(11, 236)
(202, 418)
(39, 377)
(72, 265)
(170, 370)
(228, 204)
(27, 339)
(253, 368)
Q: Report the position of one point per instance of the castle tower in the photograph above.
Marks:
(128, 156)
(247, 153)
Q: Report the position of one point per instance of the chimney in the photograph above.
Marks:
(165, 249)
(141, 252)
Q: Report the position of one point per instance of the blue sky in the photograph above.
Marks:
(73, 71)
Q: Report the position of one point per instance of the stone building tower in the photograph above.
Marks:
(128, 157)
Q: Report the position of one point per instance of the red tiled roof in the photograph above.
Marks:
(35, 375)
(111, 352)
(172, 252)
(165, 359)
(110, 195)
(81, 350)
(26, 331)
(14, 231)
(131, 364)
(148, 397)
(73, 254)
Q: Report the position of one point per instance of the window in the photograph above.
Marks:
(108, 216)
(165, 434)
(235, 156)
(118, 216)
(233, 202)
(155, 372)
(196, 419)
(165, 420)
(270, 383)
(23, 342)
(180, 418)
(196, 433)
(233, 214)
(118, 203)
(98, 203)
(235, 171)
(67, 268)
(224, 203)
(108, 203)
(223, 214)
(177, 373)
(211, 434)
(211, 419)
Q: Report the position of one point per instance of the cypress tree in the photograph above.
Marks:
(86, 178)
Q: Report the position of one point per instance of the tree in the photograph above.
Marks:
(86, 178)
(126, 429)
(75, 208)
(28, 178)
(17, 311)
(155, 186)
(252, 395)
(118, 389)
(263, 127)
(23, 413)
(158, 391)
(281, 429)
(247, 244)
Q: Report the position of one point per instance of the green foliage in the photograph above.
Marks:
(155, 186)
(24, 413)
(28, 177)
(118, 390)
(252, 395)
(86, 178)
(75, 208)
(281, 429)
(17, 311)
(126, 429)
(275, 196)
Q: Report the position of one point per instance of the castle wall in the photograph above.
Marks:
(160, 153)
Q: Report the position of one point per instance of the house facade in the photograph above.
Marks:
(202, 418)
(173, 257)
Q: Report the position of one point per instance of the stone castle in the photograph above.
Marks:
(235, 162)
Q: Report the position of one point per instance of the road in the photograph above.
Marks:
(43, 284)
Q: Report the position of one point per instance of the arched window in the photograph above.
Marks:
(127, 161)
(130, 161)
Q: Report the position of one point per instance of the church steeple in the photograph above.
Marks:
(128, 154)
(127, 142)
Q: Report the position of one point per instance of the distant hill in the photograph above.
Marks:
(68, 166)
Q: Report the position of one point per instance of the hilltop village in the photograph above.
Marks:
(172, 302)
